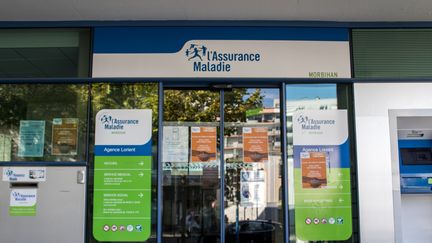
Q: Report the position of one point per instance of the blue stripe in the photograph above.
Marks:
(172, 39)
(123, 150)
(414, 143)
(415, 169)
(43, 163)
(226, 23)
(339, 158)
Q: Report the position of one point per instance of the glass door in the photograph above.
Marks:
(191, 165)
(253, 166)
(243, 201)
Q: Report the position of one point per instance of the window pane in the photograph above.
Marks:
(311, 178)
(43, 122)
(31, 53)
(252, 153)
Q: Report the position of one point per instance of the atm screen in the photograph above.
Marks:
(416, 156)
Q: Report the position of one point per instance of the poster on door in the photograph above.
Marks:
(314, 169)
(175, 144)
(203, 144)
(122, 175)
(252, 188)
(255, 144)
(64, 136)
(322, 183)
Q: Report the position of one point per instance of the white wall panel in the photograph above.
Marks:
(378, 181)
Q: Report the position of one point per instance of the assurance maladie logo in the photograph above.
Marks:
(9, 172)
(308, 123)
(112, 123)
(19, 196)
(205, 59)
(13, 175)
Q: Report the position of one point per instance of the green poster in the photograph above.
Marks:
(322, 183)
(122, 178)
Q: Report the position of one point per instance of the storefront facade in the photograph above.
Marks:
(165, 133)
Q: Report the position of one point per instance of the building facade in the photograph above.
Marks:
(160, 132)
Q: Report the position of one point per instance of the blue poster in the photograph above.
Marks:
(31, 138)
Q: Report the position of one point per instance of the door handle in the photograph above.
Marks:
(81, 177)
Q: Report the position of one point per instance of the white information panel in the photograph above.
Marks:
(233, 58)
(24, 174)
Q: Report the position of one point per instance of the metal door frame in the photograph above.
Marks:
(222, 87)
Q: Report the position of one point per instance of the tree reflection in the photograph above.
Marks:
(202, 105)
(43, 102)
(127, 96)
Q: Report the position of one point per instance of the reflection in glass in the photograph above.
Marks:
(304, 97)
(44, 52)
(43, 122)
(252, 153)
(191, 187)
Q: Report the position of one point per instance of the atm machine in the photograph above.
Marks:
(414, 147)
(415, 160)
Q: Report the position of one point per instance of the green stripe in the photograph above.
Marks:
(22, 211)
